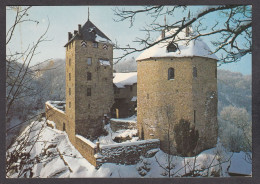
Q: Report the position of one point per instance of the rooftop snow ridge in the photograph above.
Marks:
(122, 79)
(55, 105)
(185, 49)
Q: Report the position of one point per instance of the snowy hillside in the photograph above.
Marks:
(43, 152)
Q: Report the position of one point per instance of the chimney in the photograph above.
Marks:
(187, 31)
(70, 36)
(75, 32)
(163, 33)
(79, 28)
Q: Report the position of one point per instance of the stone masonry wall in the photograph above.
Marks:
(55, 115)
(87, 149)
(205, 102)
(126, 153)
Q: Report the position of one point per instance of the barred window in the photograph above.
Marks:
(88, 76)
(89, 61)
(194, 72)
(95, 44)
(170, 73)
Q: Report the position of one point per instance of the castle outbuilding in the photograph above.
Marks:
(177, 82)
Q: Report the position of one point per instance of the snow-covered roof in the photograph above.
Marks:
(193, 48)
(122, 79)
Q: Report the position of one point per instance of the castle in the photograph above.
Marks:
(170, 84)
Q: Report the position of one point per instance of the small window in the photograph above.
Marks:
(95, 44)
(69, 91)
(69, 76)
(88, 76)
(170, 73)
(69, 62)
(89, 61)
(194, 72)
(88, 91)
(194, 114)
(216, 73)
(171, 47)
(69, 104)
(64, 127)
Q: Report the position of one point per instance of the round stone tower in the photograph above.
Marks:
(177, 83)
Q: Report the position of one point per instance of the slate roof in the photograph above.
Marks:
(88, 32)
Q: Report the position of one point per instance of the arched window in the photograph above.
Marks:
(88, 76)
(194, 72)
(170, 73)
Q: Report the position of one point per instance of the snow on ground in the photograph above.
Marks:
(54, 156)
(241, 164)
(109, 138)
(132, 119)
(193, 48)
(122, 79)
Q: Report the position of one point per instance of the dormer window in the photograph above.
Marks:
(95, 44)
(171, 47)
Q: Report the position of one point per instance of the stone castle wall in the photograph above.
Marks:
(205, 102)
(55, 115)
(87, 149)
(126, 153)
(70, 90)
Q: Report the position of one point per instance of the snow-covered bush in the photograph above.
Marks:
(235, 129)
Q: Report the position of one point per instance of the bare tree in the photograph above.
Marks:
(19, 76)
(233, 23)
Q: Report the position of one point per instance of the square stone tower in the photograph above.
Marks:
(175, 84)
(89, 80)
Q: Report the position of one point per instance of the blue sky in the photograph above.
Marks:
(64, 19)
